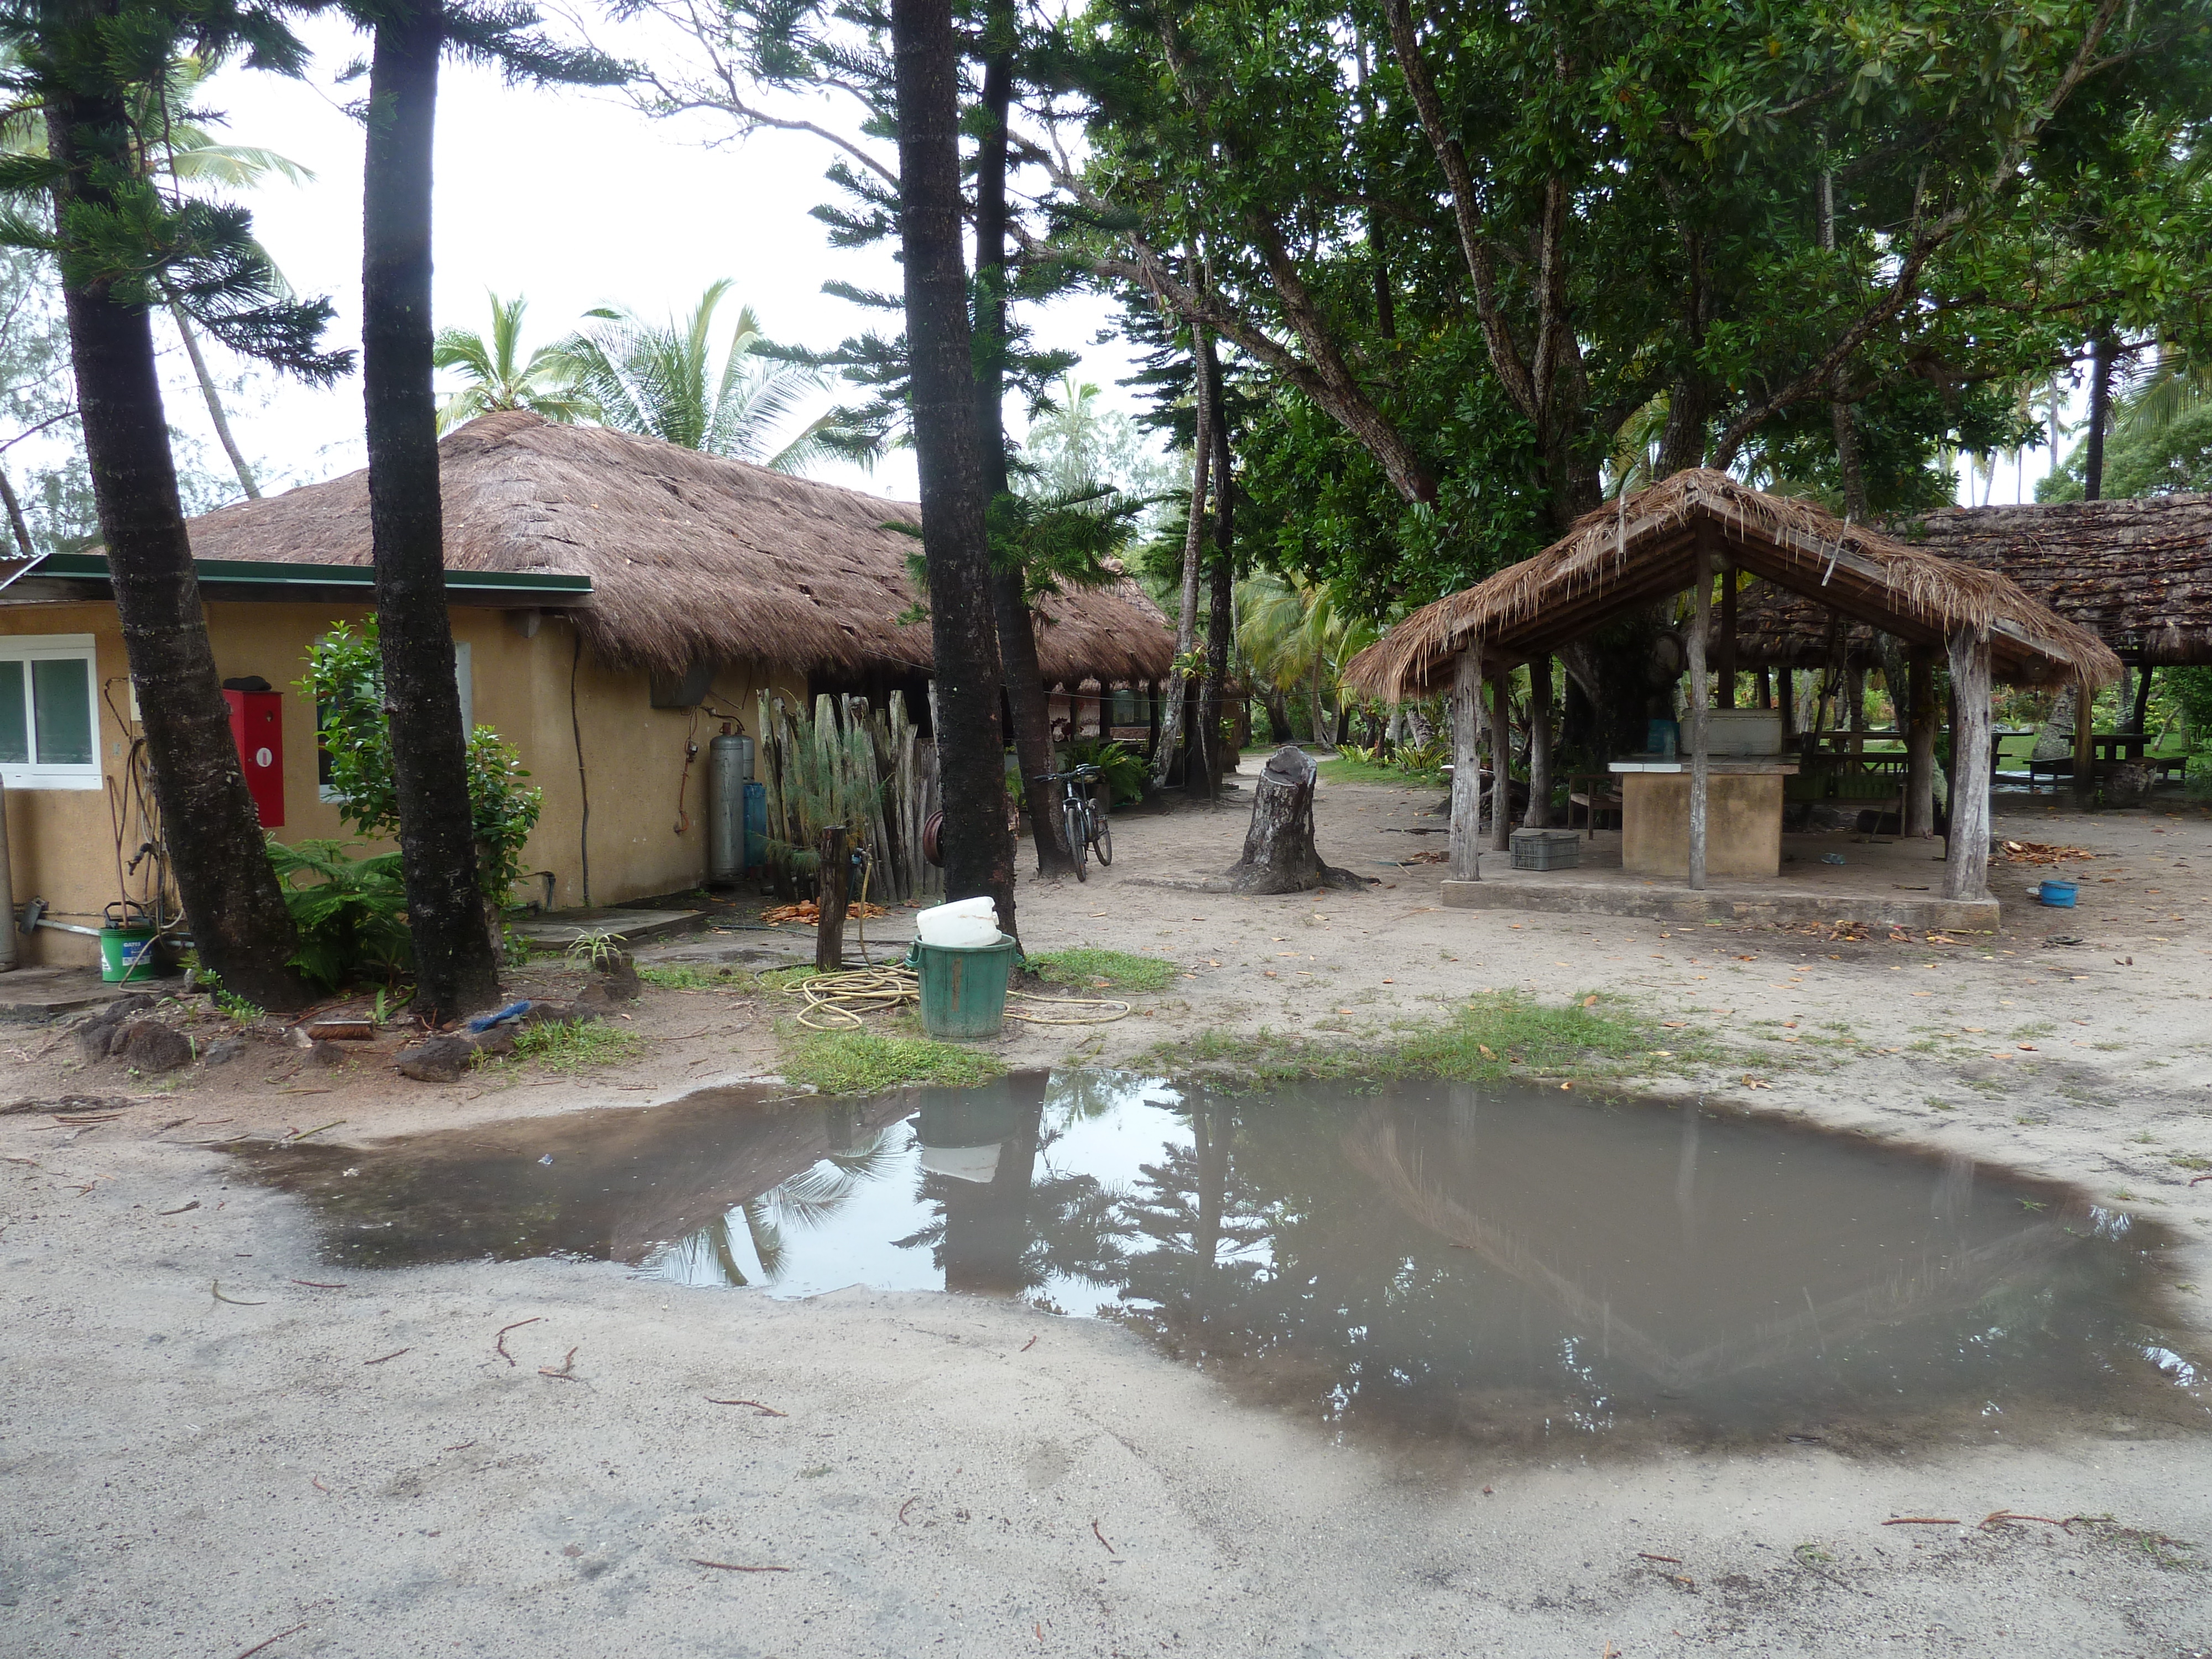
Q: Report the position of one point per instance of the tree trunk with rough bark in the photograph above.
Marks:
(214, 400)
(1027, 700)
(1467, 766)
(1221, 577)
(955, 535)
(2102, 352)
(1539, 743)
(456, 969)
(1279, 855)
(239, 925)
(1194, 542)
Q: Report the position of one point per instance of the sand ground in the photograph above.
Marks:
(348, 1460)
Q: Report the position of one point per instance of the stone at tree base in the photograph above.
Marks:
(321, 1052)
(436, 1059)
(1280, 856)
(147, 1045)
(223, 1051)
(96, 1036)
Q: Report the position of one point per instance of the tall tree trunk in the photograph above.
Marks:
(955, 536)
(1538, 815)
(1026, 698)
(17, 524)
(239, 925)
(214, 402)
(2102, 351)
(456, 970)
(1840, 412)
(1194, 543)
(1220, 621)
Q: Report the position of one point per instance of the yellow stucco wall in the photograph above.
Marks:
(62, 846)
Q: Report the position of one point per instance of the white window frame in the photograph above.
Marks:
(27, 649)
(464, 680)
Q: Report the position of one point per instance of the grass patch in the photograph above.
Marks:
(689, 976)
(868, 1062)
(1118, 968)
(1495, 1037)
(581, 1047)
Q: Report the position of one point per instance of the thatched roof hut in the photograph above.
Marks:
(693, 558)
(1641, 550)
(2136, 574)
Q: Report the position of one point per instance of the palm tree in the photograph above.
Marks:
(660, 380)
(1295, 633)
(497, 378)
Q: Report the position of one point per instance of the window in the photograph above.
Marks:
(49, 739)
(464, 678)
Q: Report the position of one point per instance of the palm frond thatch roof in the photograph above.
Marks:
(692, 557)
(2137, 574)
(1641, 550)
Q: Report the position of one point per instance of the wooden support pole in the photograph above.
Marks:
(1967, 853)
(1467, 766)
(1701, 620)
(1786, 690)
(1539, 743)
(1920, 743)
(1765, 689)
(1501, 768)
(835, 894)
(1725, 693)
(2085, 747)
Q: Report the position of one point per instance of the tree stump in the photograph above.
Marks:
(1280, 856)
(831, 901)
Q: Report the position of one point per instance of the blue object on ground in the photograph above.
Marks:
(2058, 895)
(485, 1022)
(1832, 858)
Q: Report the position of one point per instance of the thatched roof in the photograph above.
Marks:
(692, 557)
(1640, 550)
(2136, 574)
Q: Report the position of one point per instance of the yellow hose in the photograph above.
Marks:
(840, 999)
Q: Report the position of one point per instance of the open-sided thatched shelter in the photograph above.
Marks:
(1675, 535)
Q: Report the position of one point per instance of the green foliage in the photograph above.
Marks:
(236, 1007)
(2190, 687)
(351, 912)
(495, 375)
(1087, 966)
(868, 1062)
(2162, 459)
(661, 379)
(345, 677)
(583, 1046)
(1124, 768)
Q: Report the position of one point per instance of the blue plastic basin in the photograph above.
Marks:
(2059, 894)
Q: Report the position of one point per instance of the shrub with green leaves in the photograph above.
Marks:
(345, 677)
(1123, 767)
(351, 912)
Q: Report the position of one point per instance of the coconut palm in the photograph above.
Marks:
(1295, 634)
(495, 376)
(660, 380)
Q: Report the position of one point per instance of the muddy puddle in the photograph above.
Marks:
(1487, 1265)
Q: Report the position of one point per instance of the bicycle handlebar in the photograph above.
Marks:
(1079, 773)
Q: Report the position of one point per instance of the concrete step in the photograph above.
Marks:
(43, 993)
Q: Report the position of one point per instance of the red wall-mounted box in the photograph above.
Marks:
(257, 726)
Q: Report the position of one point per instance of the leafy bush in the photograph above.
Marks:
(1123, 767)
(346, 677)
(351, 912)
(2191, 688)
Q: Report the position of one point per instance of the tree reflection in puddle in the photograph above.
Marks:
(1487, 1264)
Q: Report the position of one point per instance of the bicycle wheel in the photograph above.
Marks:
(1102, 836)
(1074, 823)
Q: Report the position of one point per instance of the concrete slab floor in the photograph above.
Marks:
(42, 992)
(559, 929)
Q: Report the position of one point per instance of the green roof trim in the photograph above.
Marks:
(547, 587)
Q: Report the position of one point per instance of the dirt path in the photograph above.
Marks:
(207, 1439)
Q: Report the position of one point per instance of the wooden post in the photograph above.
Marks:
(2085, 748)
(1967, 853)
(834, 893)
(1701, 619)
(1539, 743)
(1920, 743)
(1765, 689)
(1724, 694)
(1501, 768)
(1152, 715)
(1467, 766)
(1786, 689)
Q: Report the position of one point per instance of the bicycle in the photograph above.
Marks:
(1082, 823)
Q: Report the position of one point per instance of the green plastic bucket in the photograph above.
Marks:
(126, 953)
(963, 991)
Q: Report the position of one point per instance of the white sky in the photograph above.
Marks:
(574, 199)
(571, 198)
